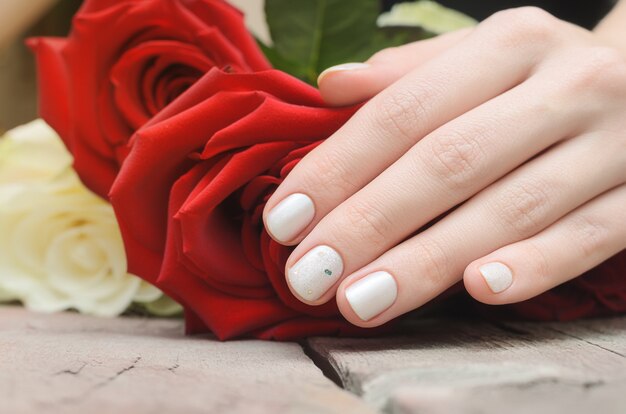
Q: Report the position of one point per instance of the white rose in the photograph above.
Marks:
(429, 15)
(60, 245)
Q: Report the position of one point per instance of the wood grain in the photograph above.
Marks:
(452, 366)
(68, 363)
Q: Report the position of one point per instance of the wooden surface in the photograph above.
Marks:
(68, 363)
(74, 364)
(479, 367)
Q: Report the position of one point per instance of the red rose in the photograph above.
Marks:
(123, 62)
(190, 196)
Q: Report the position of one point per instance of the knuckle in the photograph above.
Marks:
(430, 261)
(539, 265)
(616, 78)
(524, 25)
(330, 172)
(603, 70)
(590, 235)
(455, 158)
(523, 207)
(369, 222)
(403, 113)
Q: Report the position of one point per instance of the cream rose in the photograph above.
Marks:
(60, 245)
(429, 15)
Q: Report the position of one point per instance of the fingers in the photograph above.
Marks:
(515, 208)
(442, 170)
(352, 83)
(387, 126)
(571, 246)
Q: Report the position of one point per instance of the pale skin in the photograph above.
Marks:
(519, 122)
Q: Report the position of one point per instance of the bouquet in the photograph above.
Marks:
(186, 124)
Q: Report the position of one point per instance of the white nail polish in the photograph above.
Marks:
(371, 295)
(497, 275)
(315, 272)
(343, 67)
(289, 217)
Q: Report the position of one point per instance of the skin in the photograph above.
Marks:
(519, 123)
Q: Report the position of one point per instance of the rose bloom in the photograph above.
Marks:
(190, 196)
(123, 62)
(60, 246)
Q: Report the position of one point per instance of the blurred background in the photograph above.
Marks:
(20, 19)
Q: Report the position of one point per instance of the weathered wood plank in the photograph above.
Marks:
(69, 363)
(445, 365)
(609, 334)
(547, 396)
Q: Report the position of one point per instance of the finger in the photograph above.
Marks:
(515, 208)
(578, 242)
(388, 125)
(442, 170)
(352, 83)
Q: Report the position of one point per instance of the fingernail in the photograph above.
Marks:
(315, 272)
(497, 275)
(289, 217)
(372, 295)
(342, 67)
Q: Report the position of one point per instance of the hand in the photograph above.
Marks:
(516, 130)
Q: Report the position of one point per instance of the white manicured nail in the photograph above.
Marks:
(371, 295)
(315, 272)
(497, 275)
(289, 217)
(343, 67)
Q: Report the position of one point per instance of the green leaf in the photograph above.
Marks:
(385, 37)
(280, 62)
(314, 34)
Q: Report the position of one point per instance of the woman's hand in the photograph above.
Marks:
(519, 123)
